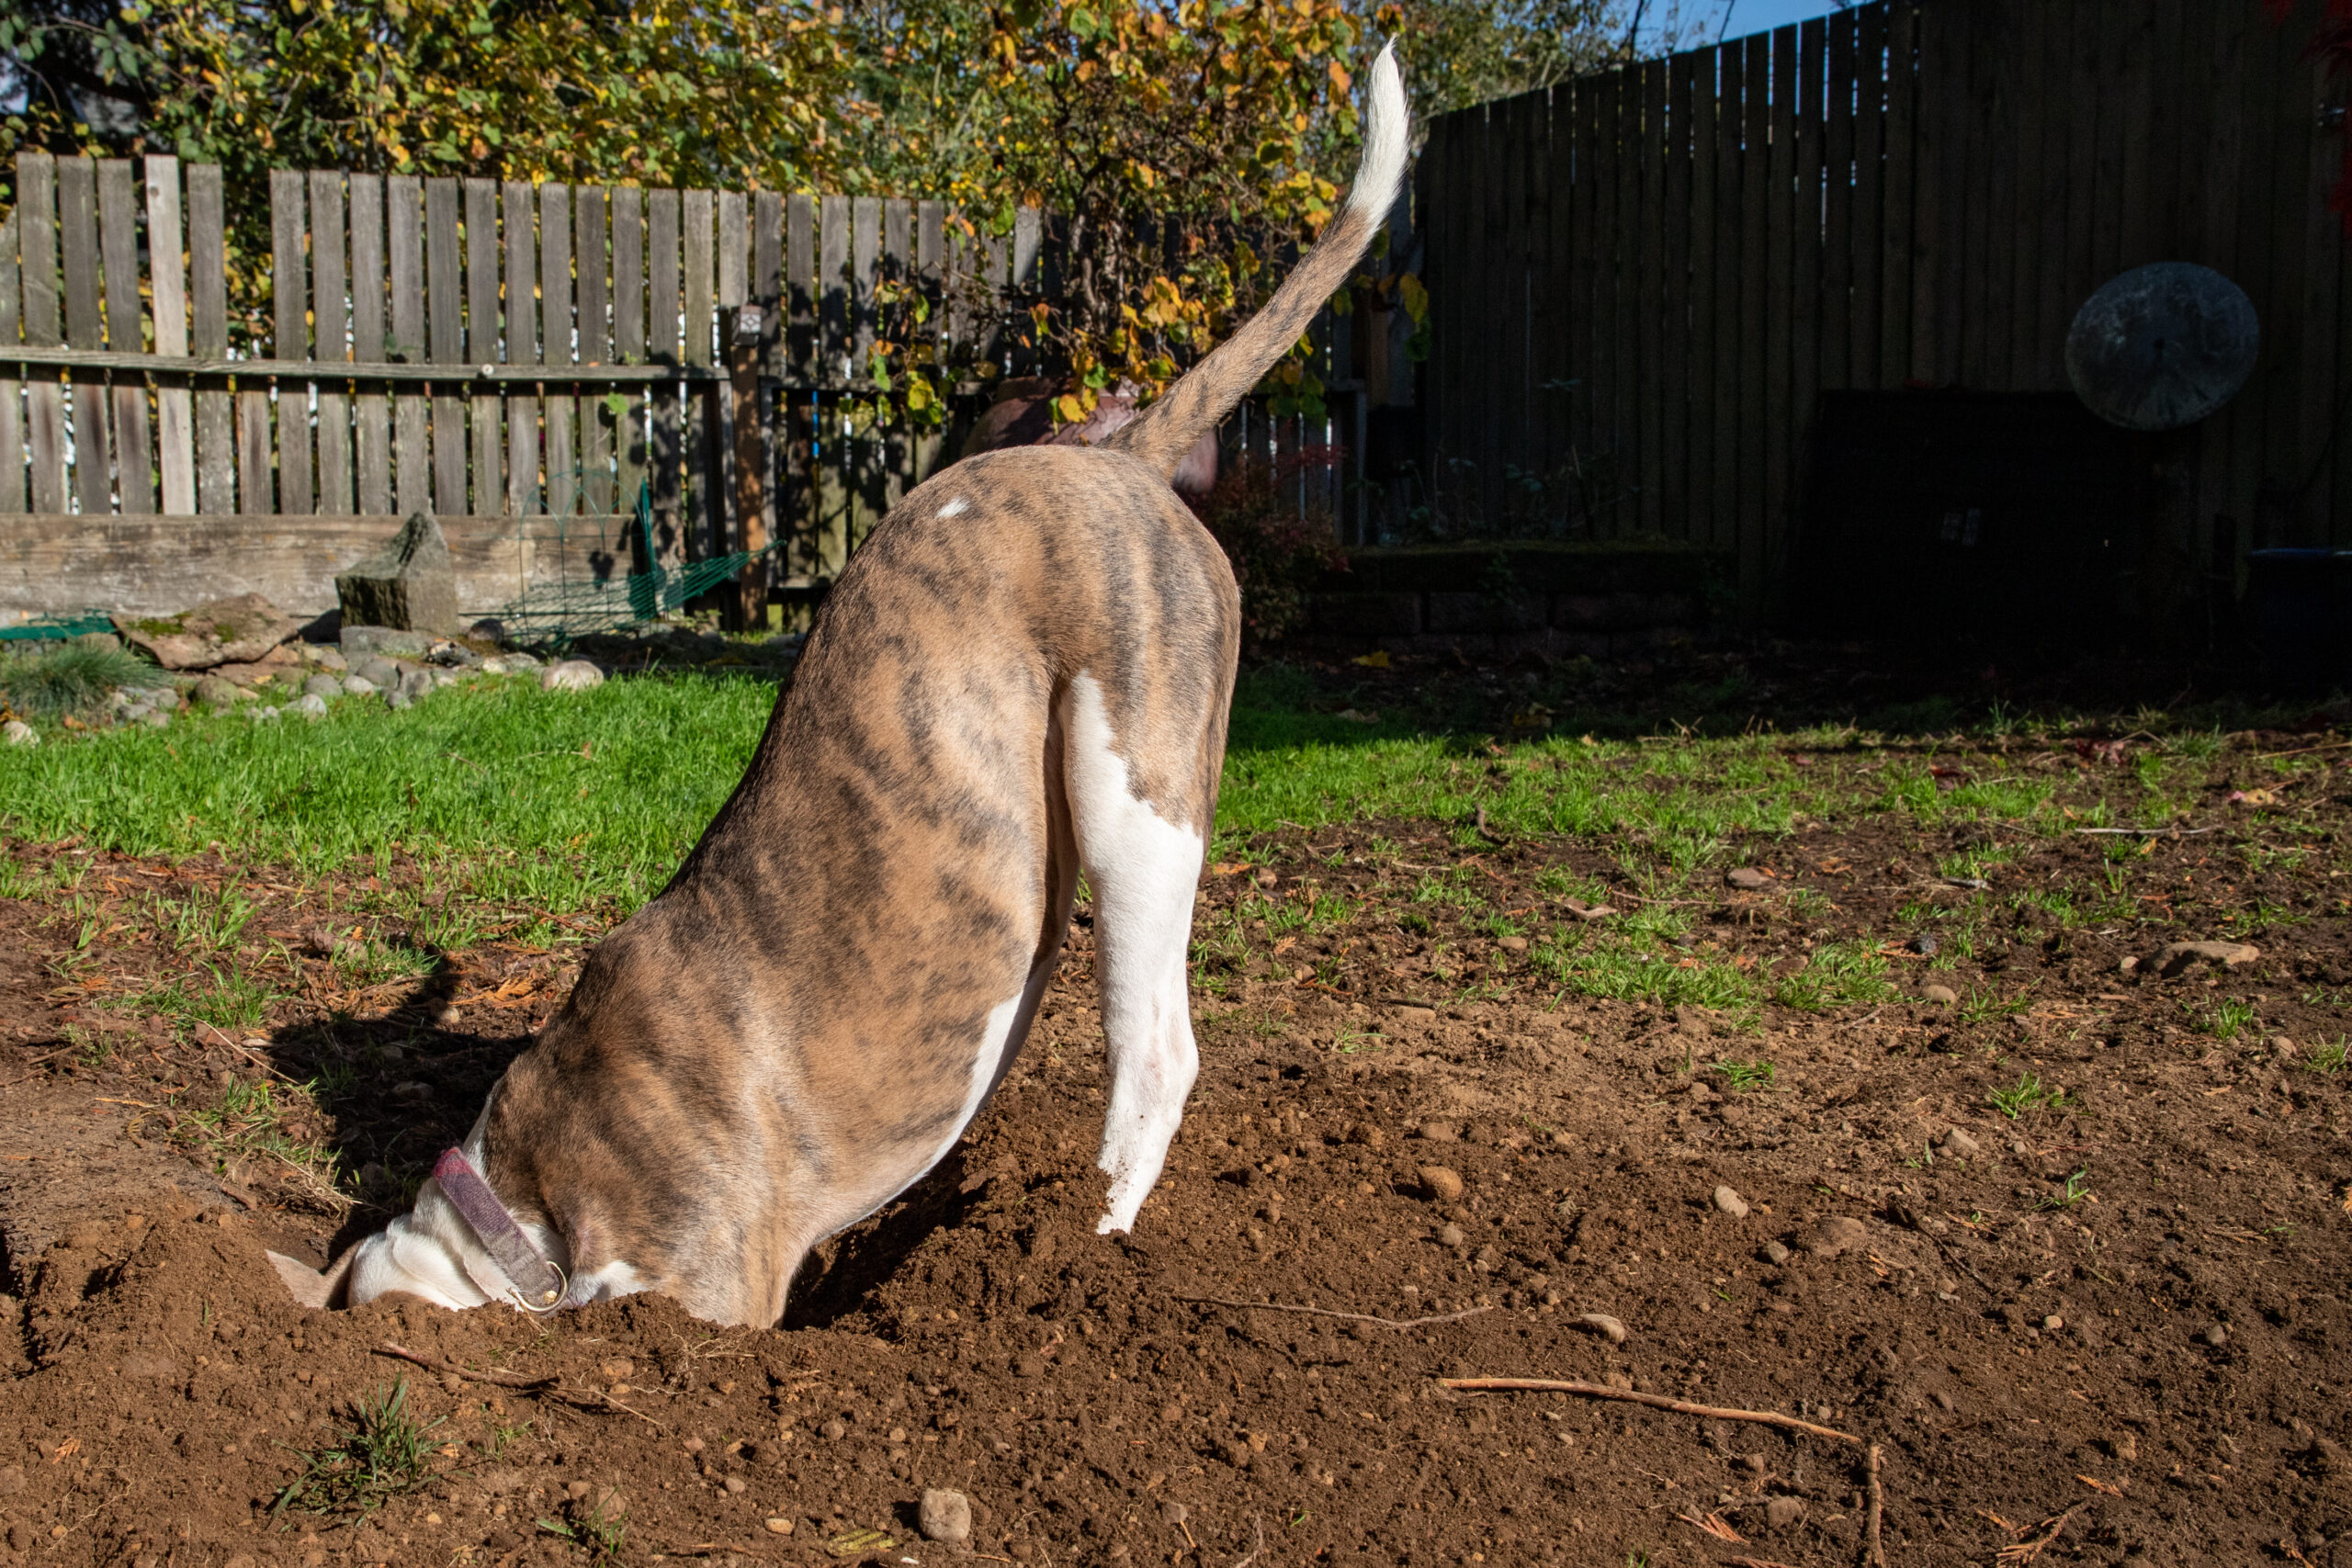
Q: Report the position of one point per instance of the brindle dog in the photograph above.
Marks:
(1024, 673)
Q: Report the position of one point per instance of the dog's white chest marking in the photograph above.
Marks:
(1143, 869)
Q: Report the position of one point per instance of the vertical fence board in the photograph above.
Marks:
(36, 216)
(485, 344)
(1676, 503)
(1585, 158)
(289, 294)
(558, 406)
(1870, 194)
(1991, 152)
(405, 232)
(330, 339)
(706, 497)
(833, 290)
(371, 413)
(1809, 306)
(1705, 137)
(2043, 306)
(207, 286)
(1652, 263)
(446, 341)
(629, 344)
(118, 249)
(1731, 208)
(1838, 236)
(1780, 416)
(77, 235)
(12, 432)
(592, 263)
(1755, 311)
(665, 345)
(1895, 300)
(519, 222)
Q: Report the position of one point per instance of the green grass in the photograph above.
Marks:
(2029, 1093)
(2229, 1018)
(1743, 1076)
(384, 1455)
(1837, 974)
(2077, 1189)
(2328, 1058)
(70, 677)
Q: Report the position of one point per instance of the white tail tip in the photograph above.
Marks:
(1386, 139)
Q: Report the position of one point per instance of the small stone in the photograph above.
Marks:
(944, 1517)
(1747, 879)
(619, 1370)
(19, 733)
(1367, 1135)
(777, 1526)
(1942, 996)
(835, 1429)
(322, 687)
(1833, 1236)
(575, 1489)
(1440, 1183)
(1731, 1202)
(1780, 1513)
(1775, 1253)
(1619, 1381)
(1512, 943)
(2127, 963)
(1450, 1236)
(2281, 1046)
(2175, 957)
(735, 1487)
(263, 715)
(1956, 1141)
(1440, 1132)
(213, 691)
(1601, 1323)
(2217, 1336)
(21, 1537)
(571, 675)
(693, 1445)
(309, 705)
(358, 686)
(2053, 1323)
(1924, 944)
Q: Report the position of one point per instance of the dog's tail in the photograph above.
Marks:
(1164, 433)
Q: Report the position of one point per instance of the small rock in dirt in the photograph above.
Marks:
(1440, 1132)
(835, 1428)
(1782, 1512)
(1942, 996)
(19, 733)
(2127, 963)
(1512, 943)
(213, 691)
(1924, 944)
(1440, 1183)
(1366, 1135)
(1601, 1323)
(310, 705)
(575, 1489)
(358, 686)
(571, 675)
(322, 687)
(1450, 1236)
(21, 1537)
(777, 1526)
(1731, 1202)
(12, 1481)
(944, 1517)
(2281, 1046)
(1029, 1367)
(1956, 1141)
(2175, 957)
(502, 1541)
(1775, 1253)
(735, 1486)
(1619, 1381)
(619, 1370)
(1835, 1236)
(2217, 1336)
(1747, 879)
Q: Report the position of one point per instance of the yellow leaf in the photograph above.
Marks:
(1067, 407)
(1371, 660)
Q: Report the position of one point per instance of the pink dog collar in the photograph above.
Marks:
(501, 1237)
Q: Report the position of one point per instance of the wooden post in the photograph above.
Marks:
(371, 409)
(118, 245)
(77, 232)
(747, 607)
(207, 288)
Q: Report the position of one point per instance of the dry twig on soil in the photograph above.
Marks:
(1325, 1312)
(435, 1363)
(2025, 1552)
(1656, 1401)
(1876, 1546)
(1713, 1525)
(1753, 1563)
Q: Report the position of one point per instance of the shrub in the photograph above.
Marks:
(73, 676)
(1278, 543)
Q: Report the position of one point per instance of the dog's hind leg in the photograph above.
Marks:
(1144, 869)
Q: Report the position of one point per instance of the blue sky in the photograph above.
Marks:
(1746, 16)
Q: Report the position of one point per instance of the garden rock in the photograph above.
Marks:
(311, 706)
(358, 686)
(379, 672)
(237, 630)
(1601, 1323)
(362, 643)
(416, 684)
(1747, 879)
(1942, 996)
(944, 1517)
(214, 692)
(1731, 1202)
(19, 733)
(1834, 1237)
(1956, 1141)
(411, 584)
(572, 675)
(2176, 957)
(322, 687)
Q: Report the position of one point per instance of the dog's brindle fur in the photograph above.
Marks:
(1025, 669)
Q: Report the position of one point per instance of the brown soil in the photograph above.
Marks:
(2156, 1372)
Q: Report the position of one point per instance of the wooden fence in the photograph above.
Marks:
(517, 358)
(1643, 281)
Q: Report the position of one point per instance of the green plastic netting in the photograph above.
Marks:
(574, 605)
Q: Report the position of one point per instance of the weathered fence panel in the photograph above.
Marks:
(1911, 192)
(522, 360)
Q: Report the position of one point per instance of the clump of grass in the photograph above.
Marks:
(2029, 1093)
(1839, 973)
(69, 677)
(599, 1537)
(1743, 1076)
(1983, 1006)
(383, 1456)
(2076, 1190)
(2327, 1058)
(2229, 1018)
